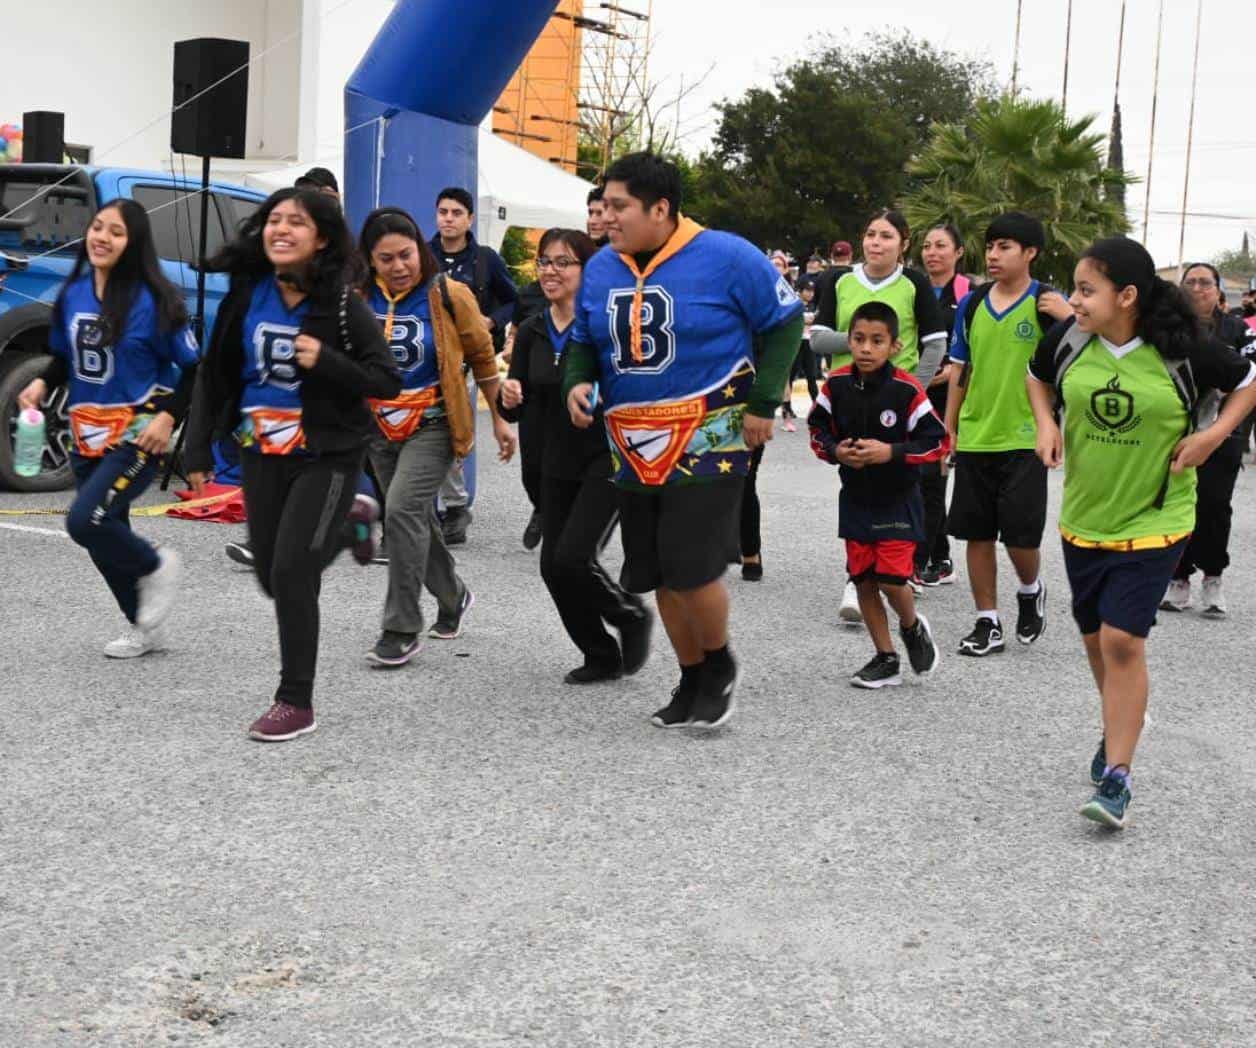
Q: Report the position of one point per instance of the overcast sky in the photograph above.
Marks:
(749, 39)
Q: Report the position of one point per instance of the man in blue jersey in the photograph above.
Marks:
(686, 335)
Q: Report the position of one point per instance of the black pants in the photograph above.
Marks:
(531, 452)
(751, 538)
(1209, 547)
(296, 508)
(576, 518)
(936, 547)
(804, 366)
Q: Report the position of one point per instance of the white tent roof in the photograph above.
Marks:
(516, 189)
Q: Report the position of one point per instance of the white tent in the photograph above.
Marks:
(516, 189)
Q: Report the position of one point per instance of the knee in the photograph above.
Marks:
(1120, 648)
(80, 523)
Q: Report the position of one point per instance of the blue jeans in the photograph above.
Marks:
(99, 519)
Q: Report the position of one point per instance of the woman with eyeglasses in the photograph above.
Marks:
(1208, 548)
(579, 506)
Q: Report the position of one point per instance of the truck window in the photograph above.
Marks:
(175, 215)
(41, 220)
(235, 210)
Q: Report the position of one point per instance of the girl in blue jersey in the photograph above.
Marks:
(424, 427)
(119, 336)
(293, 357)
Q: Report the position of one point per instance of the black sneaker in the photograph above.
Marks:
(938, 573)
(880, 672)
(752, 570)
(454, 526)
(1099, 763)
(591, 673)
(1031, 618)
(922, 650)
(679, 712)
(634, 641)
(1109, 805)
(241, 553)
(985, 639)
(532, 533)
(393, 649)
(715, 701)
(447, 628)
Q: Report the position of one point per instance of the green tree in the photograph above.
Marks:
(1237, 265)
(1020, 155)
(801, 163)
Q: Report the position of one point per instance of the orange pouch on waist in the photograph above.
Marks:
(96, 429)
(398, 419)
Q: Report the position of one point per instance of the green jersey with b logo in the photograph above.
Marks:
(909, 294)
(1123, 417)
(996, 415)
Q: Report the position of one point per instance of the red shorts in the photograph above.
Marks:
(892, 561)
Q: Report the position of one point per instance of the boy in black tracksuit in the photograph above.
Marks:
(876, 422)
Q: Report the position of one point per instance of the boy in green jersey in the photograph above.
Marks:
(1132, 375)
(1000, 486)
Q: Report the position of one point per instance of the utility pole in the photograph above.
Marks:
(1190, 136)
(1151, 141)
(1016, 48)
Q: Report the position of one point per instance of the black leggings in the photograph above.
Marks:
(296, 508)
(936, 547)
(576, 518)
(804, 366)
(1209, 547)
(751, 540)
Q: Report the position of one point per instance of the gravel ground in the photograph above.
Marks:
(469, 852)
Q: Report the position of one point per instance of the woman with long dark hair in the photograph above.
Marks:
(432, 324)
(1209, 547)
(1131, 374)
(579, 506)
(293, 357)
(119, 336)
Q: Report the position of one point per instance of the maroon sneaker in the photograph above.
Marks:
(363, 521)
(282, 722)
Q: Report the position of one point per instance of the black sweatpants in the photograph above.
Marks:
(751, 538)
(804, 366)
(936, 547)
(576, 518)
(1209, 546)
(296, 508)
(531, 452)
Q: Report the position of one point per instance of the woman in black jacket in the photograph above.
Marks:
(578, 503)
(293, 357)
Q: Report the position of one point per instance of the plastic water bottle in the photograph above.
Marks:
(28, 449)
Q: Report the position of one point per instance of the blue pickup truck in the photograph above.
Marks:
(44, 211)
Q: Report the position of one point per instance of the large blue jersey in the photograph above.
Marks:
(675, 390)
(407, 325)
(270, 404)
(113, 382)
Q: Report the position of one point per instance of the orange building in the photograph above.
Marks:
(538, 109)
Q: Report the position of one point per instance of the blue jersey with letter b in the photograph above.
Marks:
(675, 391)
(114, 380)
(407, 324)
(270, 404)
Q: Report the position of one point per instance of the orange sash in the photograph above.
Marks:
(652, 437)
(277, 431)
(98, 428)
(399, 418)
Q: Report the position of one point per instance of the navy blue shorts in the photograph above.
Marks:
(1119, 588)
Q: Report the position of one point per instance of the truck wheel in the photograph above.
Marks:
(55, 474)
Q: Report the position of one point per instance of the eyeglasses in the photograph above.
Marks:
(561, 264)
(1200, 283)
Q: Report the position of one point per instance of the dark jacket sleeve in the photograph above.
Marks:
(821, 425)
(925, 437)
(367, 369)
(520, 362)
(580, 364)
(211, 391)
(826, 300)
(503, 290)
(176, 402)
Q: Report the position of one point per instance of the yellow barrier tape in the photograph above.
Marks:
(136, 511)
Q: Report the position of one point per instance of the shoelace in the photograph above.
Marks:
(1112, 787)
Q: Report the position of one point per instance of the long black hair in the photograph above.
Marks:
(1165, 317)
(136, 267)
(333, 266)
(387, 220)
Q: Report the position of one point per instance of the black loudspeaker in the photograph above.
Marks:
(213, 124)
(43, 138)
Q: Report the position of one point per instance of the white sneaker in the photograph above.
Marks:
(158, 589)
(134, 643)
(849, 612)
(1178, 596)
(1211, 599)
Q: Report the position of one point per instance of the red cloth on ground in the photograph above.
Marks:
(229, 509)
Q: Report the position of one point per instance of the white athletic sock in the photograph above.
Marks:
(1031, 589)
(993, 616)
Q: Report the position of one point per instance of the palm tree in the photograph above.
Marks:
(1020, 155)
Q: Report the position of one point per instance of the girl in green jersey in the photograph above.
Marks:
(1133, 374)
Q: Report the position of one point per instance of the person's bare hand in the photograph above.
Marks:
(756, 431)
(580, 405)
(307, 349)
(33, 395)
(512, 393)
(155, 437)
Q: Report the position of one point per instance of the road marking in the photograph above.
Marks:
(33, 531)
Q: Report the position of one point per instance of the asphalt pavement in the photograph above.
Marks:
(470, 853)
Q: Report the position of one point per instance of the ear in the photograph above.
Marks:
(1127, 297)
(1034, 255)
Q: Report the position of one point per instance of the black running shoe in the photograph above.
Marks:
(985, 639)
(454, 526)
(634, 641)
(393, 649)
(532, 533)
(1099, 763)
(881, 672)
(679, 712)
(752, 570)
(922, 650)
(450, 628)
(715, 700)
(591, 673)
(241, 553)
(1031, 618)
(938, 573)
